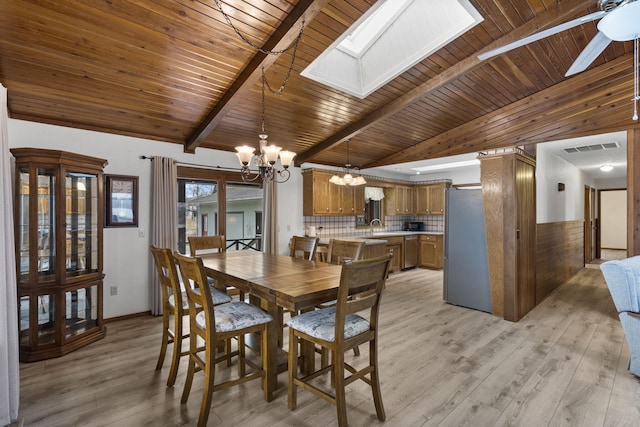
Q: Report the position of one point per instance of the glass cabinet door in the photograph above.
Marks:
(81, 223)
(44, 230)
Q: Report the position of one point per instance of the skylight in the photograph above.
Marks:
(390, 38)
(365, 34)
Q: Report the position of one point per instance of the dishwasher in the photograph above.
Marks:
(410, 251)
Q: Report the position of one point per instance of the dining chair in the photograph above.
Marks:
(344, 250)
(214, 324)
(338, 252)
(303, 247)
(174, 304)
(339, 329)
(203, 245)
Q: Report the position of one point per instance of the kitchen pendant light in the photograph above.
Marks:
(347, 178)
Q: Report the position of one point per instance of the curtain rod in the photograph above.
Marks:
(196, 165)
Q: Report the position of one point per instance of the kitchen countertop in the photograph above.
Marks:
(375, 238)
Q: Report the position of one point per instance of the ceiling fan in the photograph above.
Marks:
(619, 21)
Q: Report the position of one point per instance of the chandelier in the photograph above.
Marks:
(347, 178)
(266, 160)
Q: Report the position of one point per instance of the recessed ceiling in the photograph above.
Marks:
(390, 38)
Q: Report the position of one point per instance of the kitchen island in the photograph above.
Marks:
(410, 249)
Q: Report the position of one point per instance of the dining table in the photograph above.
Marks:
(279, 282)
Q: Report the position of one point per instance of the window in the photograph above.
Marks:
(210, 203)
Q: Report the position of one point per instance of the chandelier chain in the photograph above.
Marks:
(293, 46)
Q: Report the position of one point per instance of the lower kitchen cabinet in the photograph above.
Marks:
(431, 251)
(395, 246)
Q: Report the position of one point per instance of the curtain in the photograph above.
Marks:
(270, 217)
(9, 370)
(373, 193)
(164, 217)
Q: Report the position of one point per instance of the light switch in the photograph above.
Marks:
(140, 232)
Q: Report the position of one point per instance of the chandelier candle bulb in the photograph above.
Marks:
(245, 154)
(271, 153)
(286, 158)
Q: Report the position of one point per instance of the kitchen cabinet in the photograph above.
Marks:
(431, 251)
(322, 198)
(430, 199)
(399, 200)
(395, 246)
(58, 229)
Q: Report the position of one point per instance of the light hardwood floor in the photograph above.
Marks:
(565, 363)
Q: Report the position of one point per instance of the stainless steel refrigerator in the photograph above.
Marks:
(466, 269)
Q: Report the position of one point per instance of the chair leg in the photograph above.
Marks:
(293, 369)
(177, 351)
(191, 369)
(356, 351)
(227, 351)
(209, 381)
(263, 360)
(241, 356)
(338, 379)
(375, 380)
(165, 340)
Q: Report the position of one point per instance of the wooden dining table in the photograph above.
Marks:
(280, 282)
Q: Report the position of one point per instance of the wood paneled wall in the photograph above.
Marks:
(560, 255)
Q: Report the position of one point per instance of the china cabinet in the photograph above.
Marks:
(58, 234)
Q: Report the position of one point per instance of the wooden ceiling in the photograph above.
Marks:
(174, 70)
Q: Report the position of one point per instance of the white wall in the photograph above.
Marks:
(127, 259)
(613, 219)
(553, 205)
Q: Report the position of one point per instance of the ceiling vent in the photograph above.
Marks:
(594, 147)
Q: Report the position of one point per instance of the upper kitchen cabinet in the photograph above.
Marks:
(322, 198)
(58, 229)
(399, 200)
(430, 199)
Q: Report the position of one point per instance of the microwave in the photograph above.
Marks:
(414, 226)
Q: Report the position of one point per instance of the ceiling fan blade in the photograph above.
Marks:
(542, 34)
(589, 54)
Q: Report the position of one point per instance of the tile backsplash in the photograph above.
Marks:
(346, 225)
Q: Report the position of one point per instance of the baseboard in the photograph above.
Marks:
(127, 316)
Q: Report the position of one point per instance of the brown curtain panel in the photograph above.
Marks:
(164, 217)
(270, 217)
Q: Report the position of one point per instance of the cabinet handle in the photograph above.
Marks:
(327, 209)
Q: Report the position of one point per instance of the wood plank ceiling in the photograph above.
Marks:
(174, 70)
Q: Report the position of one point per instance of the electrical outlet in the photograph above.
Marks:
(114, 290)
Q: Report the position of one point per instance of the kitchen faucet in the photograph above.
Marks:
(373, 221)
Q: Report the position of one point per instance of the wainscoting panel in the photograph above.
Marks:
(560, 255)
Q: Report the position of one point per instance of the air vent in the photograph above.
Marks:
(589, 148)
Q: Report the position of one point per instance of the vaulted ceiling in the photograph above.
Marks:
(176, 71)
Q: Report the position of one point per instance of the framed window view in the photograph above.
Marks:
(121, 201)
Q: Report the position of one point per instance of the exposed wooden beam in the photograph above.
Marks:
(561, 12)
(283, 36)
(603, 92)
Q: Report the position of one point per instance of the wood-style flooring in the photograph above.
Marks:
(564, 364)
